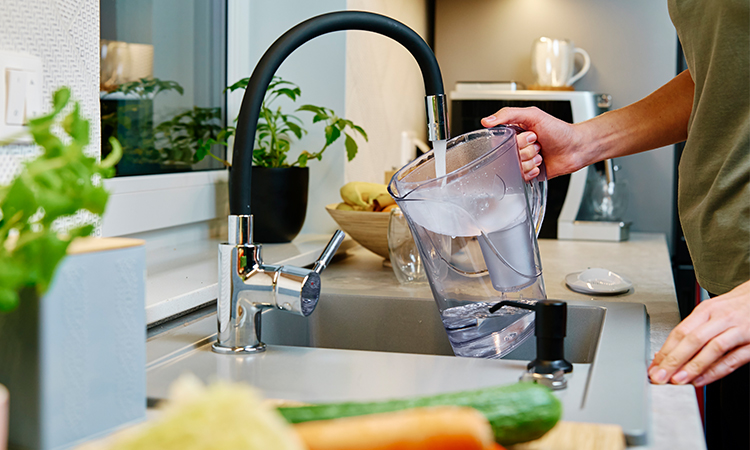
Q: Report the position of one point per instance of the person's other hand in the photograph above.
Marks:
(713, 341)
(557, 140)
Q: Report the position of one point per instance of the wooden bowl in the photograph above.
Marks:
(369, 229)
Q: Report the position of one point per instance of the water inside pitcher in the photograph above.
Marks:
(476, 229)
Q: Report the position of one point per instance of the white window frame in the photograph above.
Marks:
(144, 203)
(183, 216)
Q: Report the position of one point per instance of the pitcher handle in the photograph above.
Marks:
(538, 197)
(536, 188)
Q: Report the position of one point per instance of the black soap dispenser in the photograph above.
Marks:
(549, 329)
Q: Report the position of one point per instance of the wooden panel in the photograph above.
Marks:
(578, 436)
(94, 244)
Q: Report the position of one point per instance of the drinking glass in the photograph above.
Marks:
(403, 252)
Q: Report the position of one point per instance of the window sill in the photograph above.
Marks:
(150, 202)
(184, 277)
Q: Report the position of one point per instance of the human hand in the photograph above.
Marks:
(559, 142)
(713, 341)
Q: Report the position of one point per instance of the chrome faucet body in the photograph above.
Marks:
(248, 286)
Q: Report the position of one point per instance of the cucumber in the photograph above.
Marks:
(517, 412)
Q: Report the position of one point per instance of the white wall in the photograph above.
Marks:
(65, 35)
(633, 51)
(317, 67)
(384, 89)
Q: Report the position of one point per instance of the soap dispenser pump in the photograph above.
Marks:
(550, 328)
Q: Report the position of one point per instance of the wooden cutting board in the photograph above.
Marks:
(578, 436)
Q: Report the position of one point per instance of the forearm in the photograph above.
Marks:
(657, 120)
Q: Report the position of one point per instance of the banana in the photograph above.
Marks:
(362, 193)
(346, 207)
(382, 201)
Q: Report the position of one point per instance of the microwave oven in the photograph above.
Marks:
(567, 215)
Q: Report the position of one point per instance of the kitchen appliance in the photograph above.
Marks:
(475, 228)
(553, 62)
(568, 215)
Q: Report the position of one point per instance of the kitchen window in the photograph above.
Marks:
(162, 76)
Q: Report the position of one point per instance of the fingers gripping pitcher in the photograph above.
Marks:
(476, 229)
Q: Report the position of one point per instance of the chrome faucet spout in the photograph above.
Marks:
(239, 196)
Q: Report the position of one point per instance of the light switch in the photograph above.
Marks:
(16, 111)
(20, 94)
(33, 96)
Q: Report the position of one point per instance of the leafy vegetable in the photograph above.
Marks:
(276, 129)
(59, 183)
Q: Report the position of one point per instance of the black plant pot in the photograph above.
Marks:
(278, 202)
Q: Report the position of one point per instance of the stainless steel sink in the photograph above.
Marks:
(409, 325)
(409, 354)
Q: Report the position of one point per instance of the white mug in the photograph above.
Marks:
(552, 62)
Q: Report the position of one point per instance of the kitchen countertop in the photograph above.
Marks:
(644, 260)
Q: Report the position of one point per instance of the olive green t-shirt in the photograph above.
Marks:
(714, 182)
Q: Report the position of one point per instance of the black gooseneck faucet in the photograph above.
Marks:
(239, 200)
(247, 286)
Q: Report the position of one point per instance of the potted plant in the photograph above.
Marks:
(178, 139)
(171, 146)
(279, 217)
(62, 316)
(128, 115)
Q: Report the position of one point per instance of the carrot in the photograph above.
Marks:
(436, 428)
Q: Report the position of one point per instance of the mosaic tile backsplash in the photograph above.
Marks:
(65, 35)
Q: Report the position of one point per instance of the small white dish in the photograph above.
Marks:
(598, 281)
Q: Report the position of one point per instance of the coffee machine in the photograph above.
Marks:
(571, 213)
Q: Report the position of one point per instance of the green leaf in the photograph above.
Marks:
(202, 150)
(360, 131)
(332, 133)
(242, 84)
(77, 127)
(60, 99)
(114, 156)
(96, 201)
(8, 299)
(12, 272)
(20, 198)
(302, 159)
(351, 147)
(55, 185)
(296, 129)
(292, 94)
(312, 108)
(50, 250)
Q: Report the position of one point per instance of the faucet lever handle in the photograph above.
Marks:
(329, 251)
